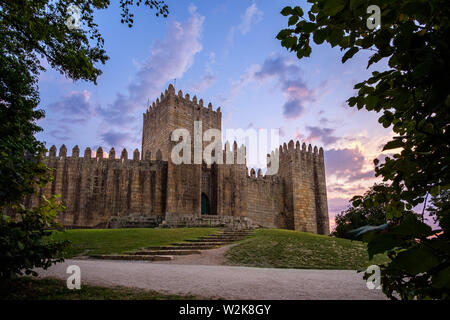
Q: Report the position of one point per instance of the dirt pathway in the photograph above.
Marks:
(222, 281)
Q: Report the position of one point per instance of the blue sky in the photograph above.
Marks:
(226, 53)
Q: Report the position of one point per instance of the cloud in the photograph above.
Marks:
(169, 58)
(114, 138)
(347, 163)
(335, 206)
(294, 87)
(75, 105)
(251, 16)
(63, 133)
(343, 162)
(209, 78)
(361, 176)
(324, 134)
(289, 76)
(207, 81)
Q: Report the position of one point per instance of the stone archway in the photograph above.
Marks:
(206, 208)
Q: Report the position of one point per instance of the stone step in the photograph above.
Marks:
(221, 238)
(193, 247)
(166, 252)
(207, 241)
(206, 244)
(131, 257)
(235, 234)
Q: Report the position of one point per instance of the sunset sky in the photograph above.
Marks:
(226, 53)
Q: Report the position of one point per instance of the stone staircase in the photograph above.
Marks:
(187, 247)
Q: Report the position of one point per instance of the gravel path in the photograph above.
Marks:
(222, 281)
(211, 257)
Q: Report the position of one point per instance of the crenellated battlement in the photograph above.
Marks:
(97, 184)
(170, 98)
(236, 155)
(258, 176)
(100, 155)
(174, 111)
(292, 148)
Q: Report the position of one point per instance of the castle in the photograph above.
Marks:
(98, 190)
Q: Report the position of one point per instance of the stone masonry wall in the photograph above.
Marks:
(265, 203)
(99, 190)
(303, 172)
(175, 112)
(94, 189)
(231, 182)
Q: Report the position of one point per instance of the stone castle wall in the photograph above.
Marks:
(94, 189)
(98, 190)
(303, 172)
(172, 112)
(265, 200)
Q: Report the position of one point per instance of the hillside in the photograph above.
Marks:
(273, 248)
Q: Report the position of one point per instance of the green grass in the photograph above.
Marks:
(26, 288)
(269, 248)
(110, 241)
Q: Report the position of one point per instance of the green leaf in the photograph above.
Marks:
(284, 34)
(320, 36)
(349, 54)
(371, 101)
(287, 11)
(394, 144)
(332, 7)
(308, 27)
(442, 279)
(382, 243)
(315, 8)
(298, 11)
(415, 260)
(293, 20)
(335, 37)
(413, 228)
(354, 4)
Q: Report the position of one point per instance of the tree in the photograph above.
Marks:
(440, 210)
(413, 97)
(33, 31)
(357, 216)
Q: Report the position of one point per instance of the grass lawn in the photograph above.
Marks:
(26, 288)
(291, 249)
(109, 241)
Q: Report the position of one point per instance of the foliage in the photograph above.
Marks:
(413, 97)
(22, 240)
(440, 210)
(33, 32)
(419, 266)
(357, 216)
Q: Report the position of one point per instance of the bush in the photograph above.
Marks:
(23, 241)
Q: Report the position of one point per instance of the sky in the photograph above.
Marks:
(226, 53)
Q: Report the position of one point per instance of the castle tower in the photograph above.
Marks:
(172, 112)
(99, 187)
(185, 182)
(305, 197)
